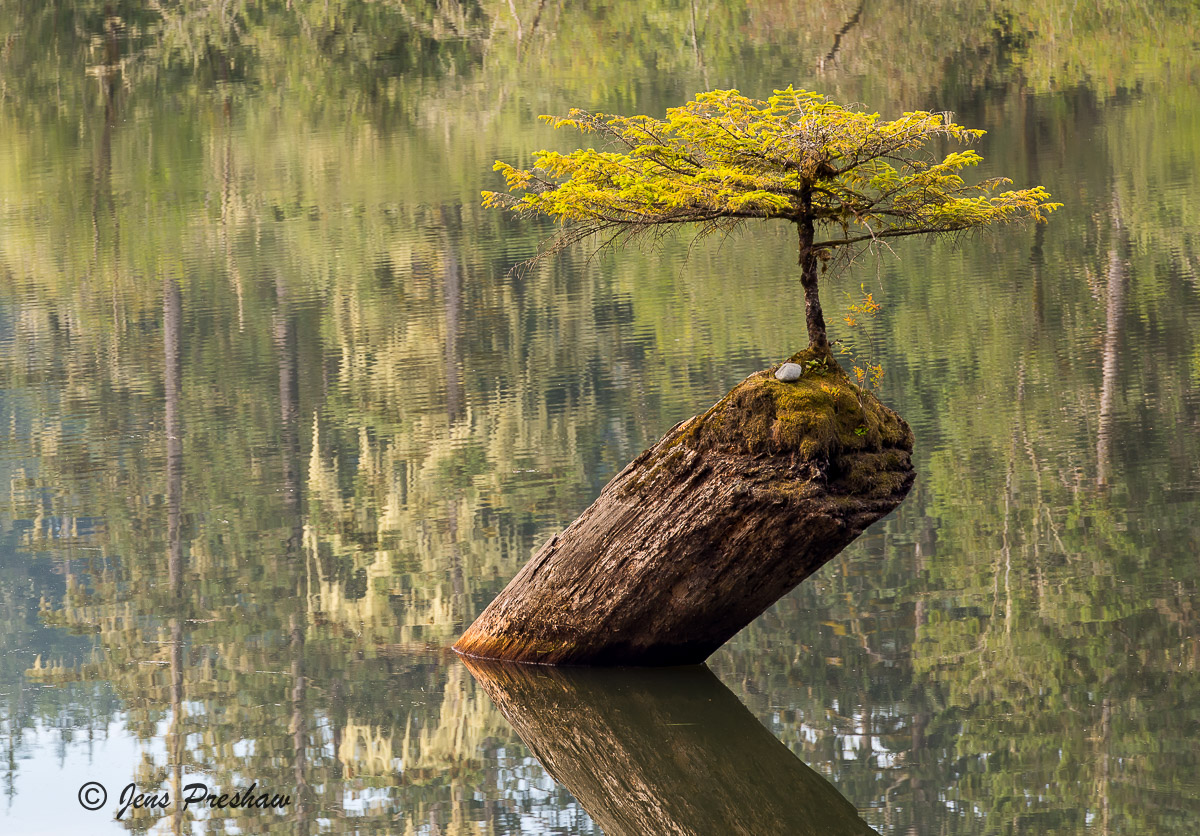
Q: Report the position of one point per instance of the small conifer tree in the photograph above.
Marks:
(845, 178)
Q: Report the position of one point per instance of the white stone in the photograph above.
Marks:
(789, 372)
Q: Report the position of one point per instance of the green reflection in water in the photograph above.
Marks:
(278, 421)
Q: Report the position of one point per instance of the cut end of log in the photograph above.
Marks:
(707, 528)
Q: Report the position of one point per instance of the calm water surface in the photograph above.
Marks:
(277, 420)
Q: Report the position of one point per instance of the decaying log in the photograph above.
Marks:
(706, 529)
(657, 752)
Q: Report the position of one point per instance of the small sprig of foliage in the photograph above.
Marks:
(725, 158)
(858, 317)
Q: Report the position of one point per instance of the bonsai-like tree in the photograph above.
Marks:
(723, 159)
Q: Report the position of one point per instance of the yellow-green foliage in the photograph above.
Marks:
(724, 158)
(818, 417)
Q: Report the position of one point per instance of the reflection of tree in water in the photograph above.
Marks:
(325, 51)
(256, 688)
(1114, 311)
(238, 655)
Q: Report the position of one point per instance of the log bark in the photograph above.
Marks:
(706, 529)
(655, 752)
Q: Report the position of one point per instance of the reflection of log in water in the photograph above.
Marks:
(663, 751)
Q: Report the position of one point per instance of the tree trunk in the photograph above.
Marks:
(814, 319)
(706, 529)
(652, 753)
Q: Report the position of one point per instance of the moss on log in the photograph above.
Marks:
(706, 529)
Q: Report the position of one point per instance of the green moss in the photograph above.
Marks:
(875, 474)
(848, 442)
(818, 417)
(797, 490)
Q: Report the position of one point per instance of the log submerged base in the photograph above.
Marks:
(706, 529)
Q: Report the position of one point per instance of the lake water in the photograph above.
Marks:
(278, 419)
